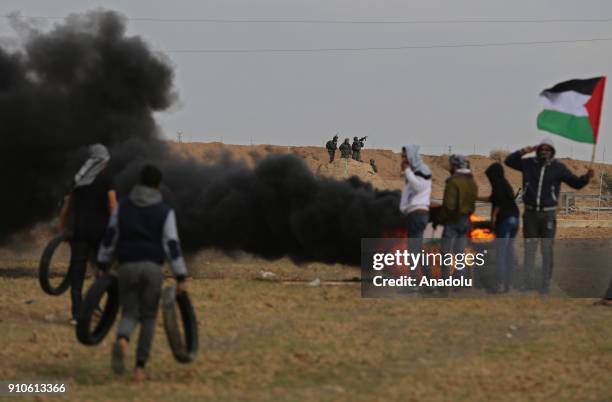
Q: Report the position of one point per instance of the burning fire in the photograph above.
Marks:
(481, 230)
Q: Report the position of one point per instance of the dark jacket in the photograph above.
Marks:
(502, 194)
(542, 182)
(459, 197)
(143, 228)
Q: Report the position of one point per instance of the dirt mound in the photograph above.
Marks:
(388, 162)
(344, 168)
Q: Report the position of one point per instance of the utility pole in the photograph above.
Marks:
(179, 137)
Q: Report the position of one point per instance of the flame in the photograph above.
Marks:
(477, 218)
(480, 234)
(476, 234)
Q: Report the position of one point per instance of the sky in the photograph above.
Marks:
(462, 99)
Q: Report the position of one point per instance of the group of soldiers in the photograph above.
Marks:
(346, 149)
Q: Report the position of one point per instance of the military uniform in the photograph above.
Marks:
(357, 145)
(345, 149)
(331, 146)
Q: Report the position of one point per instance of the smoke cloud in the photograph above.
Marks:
(85, 82)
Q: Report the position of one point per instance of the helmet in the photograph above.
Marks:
(355, 139)
(346, 140)
(335, 137)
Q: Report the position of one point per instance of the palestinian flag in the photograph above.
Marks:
(572, 109)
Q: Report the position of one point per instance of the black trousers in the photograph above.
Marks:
(81, 251)
(539, 227)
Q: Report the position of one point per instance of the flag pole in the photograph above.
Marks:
(593, 155)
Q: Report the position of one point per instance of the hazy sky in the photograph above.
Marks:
(482, 97)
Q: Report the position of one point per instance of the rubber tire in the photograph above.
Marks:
(43, 268)
(107, 283)
(184, 350)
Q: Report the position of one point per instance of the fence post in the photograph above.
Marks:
(599, 198)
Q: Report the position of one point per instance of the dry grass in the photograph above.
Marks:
(264, 340)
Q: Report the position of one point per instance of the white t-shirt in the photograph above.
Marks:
(416, 193)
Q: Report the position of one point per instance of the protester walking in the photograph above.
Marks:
(141, 233)
(84, 217)
(542, 178)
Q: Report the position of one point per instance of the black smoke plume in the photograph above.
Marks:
(277, 209)
(85, 81)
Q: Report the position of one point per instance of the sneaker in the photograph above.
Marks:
(117, 363)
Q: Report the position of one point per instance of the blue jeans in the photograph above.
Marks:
(505, 232)
(454, 240)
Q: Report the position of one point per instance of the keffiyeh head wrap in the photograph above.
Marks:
(416, 163)
(97, 161)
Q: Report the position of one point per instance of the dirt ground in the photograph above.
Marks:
(288, 340)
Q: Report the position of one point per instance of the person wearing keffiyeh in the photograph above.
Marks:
(84, 217)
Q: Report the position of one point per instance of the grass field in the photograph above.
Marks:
(271, 340)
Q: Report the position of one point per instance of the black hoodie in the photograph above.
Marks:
(502, 195)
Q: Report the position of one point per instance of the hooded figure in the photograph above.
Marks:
(142, 235)
(499, 183)
(415, 199)
(505, 220)
(545, 151)
(416, 163)
(542, 178)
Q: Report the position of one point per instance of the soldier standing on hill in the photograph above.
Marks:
(345, 149)
(357, 145)
(331, 146)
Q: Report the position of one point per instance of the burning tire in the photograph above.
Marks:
(105, 285)
(44, 268)
(184, 346)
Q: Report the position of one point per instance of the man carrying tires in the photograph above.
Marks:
(84, 218)
(141, 234)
